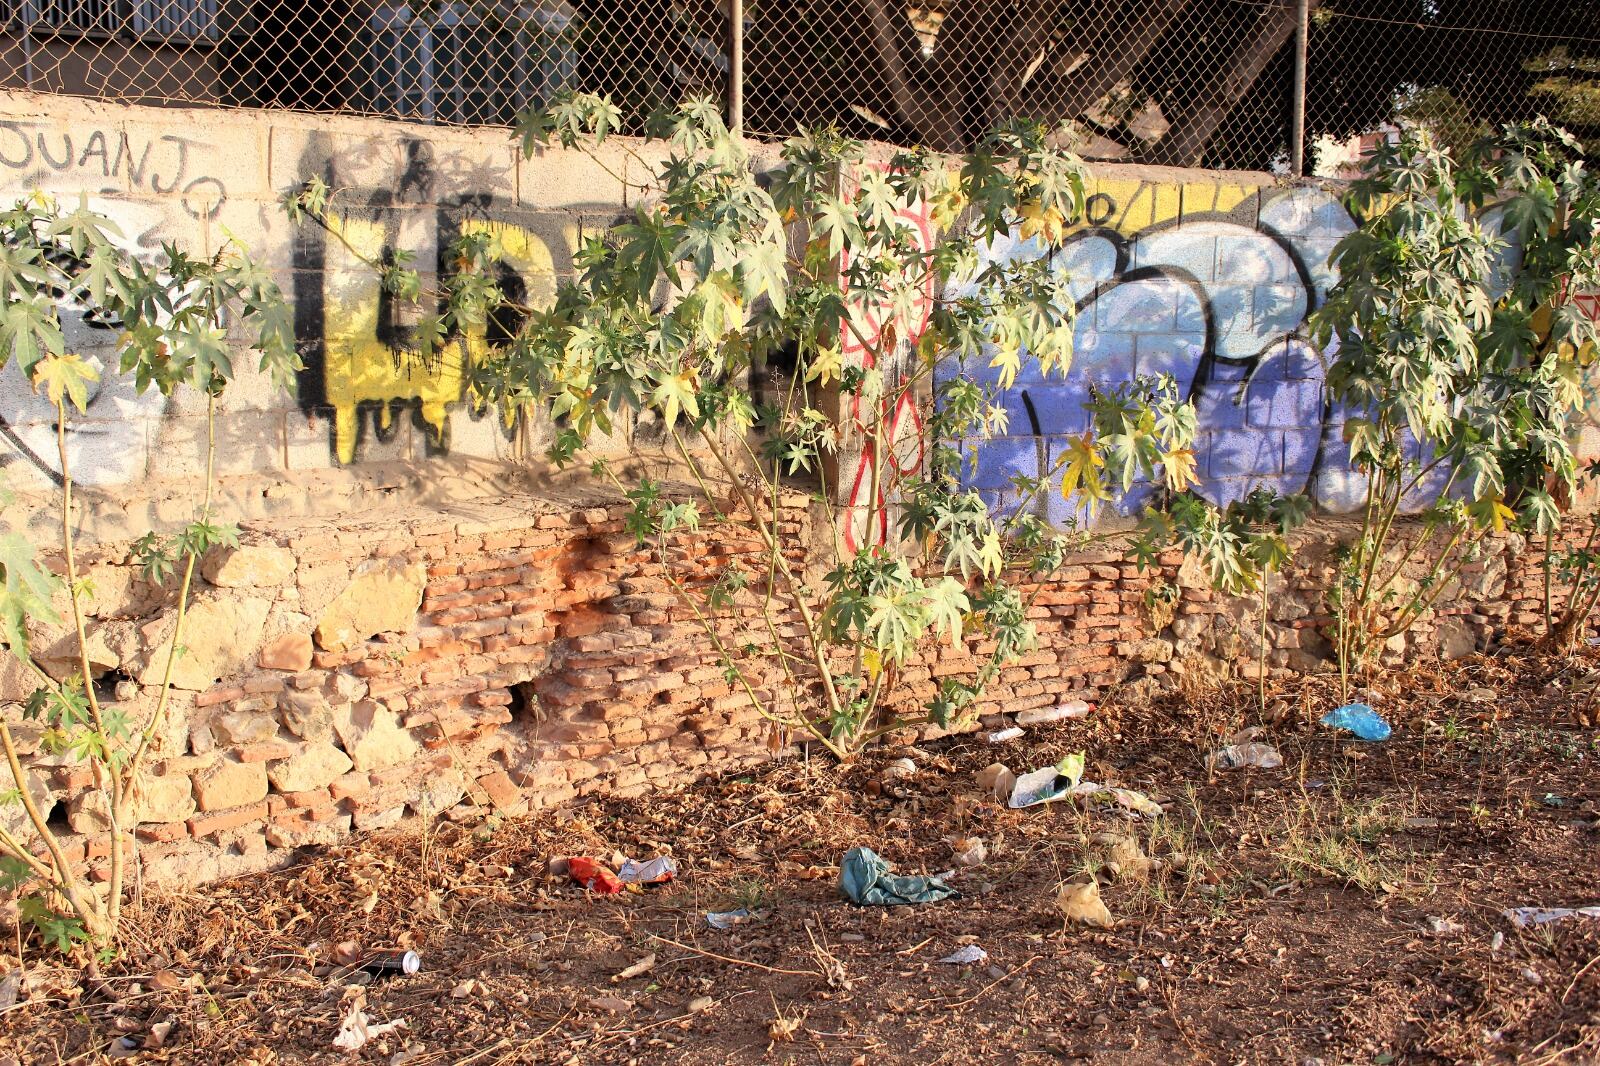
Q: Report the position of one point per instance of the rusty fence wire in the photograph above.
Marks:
(1216, 83)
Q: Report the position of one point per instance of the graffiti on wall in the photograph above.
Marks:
(181, 187)
(112, 160)
(1212, 284)
(362, 363)
(894, 418)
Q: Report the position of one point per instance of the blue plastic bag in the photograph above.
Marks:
(864, 878)
(1359, 719)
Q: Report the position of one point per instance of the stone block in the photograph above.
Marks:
(382, 597)
(316, 767)
(240, 728)
(291, 652)
(307, 715)
(164, 798)
(249, 566)
(229, 783)
(372, 736)
(220, 637)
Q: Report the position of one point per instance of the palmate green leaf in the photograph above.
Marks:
(673, 393)
(58, 931)
(103, 280)
(1290, 512)
(895, 621)
(26, 590)
(201, 352)
(764, 272)
(83, 229)
(29, 330)
(1539, 513)
(1533, 210)
(947, 608)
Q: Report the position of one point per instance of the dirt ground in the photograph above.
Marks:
(1344, 908)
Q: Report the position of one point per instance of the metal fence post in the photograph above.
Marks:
(1297, 115)
(736, 66)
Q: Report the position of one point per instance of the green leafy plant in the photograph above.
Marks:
(174, 317)
(1238, 546)
(826, 260)
(1577, 567)
(1459, 360)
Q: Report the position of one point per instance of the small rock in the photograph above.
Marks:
(898, 769)
(997, 780)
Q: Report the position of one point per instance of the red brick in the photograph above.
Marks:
(206, 824)
(163, 832)
(309, 798)
(351, 784)
(218, 695)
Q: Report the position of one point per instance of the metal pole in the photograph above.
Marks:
(1297, 116)
(736, 66)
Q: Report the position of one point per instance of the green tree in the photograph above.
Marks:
(1459, 361)
(174, 318)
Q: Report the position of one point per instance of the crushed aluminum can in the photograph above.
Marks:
(654, 872)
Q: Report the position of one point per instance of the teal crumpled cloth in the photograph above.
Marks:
(864, 878)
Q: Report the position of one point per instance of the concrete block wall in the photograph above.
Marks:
(364, 422)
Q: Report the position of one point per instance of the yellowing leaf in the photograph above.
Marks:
(1080, 471)
(1038, 220)
(1569, 384)
(1490, 512)
(1179, 468)
(946, 204)
(65, 375)
(824, 366)
(872, 663)
(1008, 360)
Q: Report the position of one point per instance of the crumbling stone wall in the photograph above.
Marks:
(523, 651)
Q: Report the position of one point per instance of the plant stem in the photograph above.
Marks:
(1261, 669)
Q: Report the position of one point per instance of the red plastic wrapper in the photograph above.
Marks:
(594, 876)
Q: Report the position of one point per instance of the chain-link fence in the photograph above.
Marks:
(1189, 82)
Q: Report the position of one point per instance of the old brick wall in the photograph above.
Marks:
(520, 652)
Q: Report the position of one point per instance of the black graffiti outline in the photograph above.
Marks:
(1246, 215)
(413, 189)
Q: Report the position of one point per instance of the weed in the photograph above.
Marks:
(752, 894)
